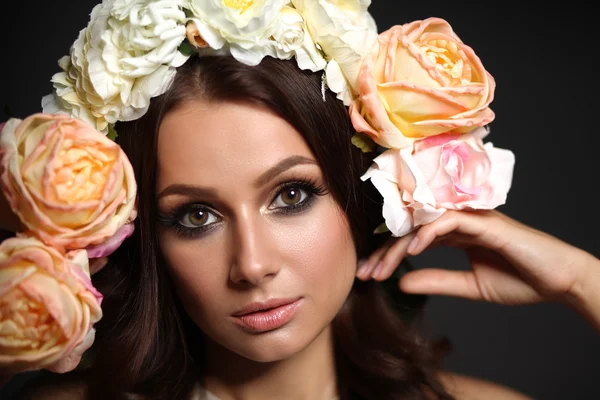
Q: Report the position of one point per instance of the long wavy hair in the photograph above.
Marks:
(142, 343)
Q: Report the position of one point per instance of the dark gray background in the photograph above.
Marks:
(546, 112)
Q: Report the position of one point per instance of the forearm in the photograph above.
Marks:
(585, 295)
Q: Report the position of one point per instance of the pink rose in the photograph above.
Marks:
(70, 185)
(444, 172)
(48, 306)
(421, 80)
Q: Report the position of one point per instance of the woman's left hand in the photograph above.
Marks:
(512, 263)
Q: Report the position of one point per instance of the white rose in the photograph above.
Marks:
(245, 25)
(346, 32)
(292, 39)
(148, 35)
(127, 55)
(71, 98)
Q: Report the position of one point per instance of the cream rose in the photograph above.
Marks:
(444, 172)
(346, 32)
(291, 38)
(420, 81)
(70, 185)
(125, 56)
(48, 307)
(246, 26)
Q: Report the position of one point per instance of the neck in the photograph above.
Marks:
(308, 374)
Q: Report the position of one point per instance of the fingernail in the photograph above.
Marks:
(412, 246)
(378, 269)
(362, 267)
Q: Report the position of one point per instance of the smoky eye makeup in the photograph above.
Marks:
(190, 219)
(295, 195)
(289, 197)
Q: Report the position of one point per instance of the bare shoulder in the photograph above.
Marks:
(464, 387)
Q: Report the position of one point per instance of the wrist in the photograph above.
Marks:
(584, 294)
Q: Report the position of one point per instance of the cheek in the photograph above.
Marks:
(197, 275)
(314, 254)
(322, 254)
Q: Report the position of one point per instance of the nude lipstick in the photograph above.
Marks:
(266, 316)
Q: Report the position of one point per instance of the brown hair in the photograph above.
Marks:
(141, 342)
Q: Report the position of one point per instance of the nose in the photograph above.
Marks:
(253, 260)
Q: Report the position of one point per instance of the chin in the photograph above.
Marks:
(268, 355)
(273, 346)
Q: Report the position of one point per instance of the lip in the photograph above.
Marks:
(266, 316)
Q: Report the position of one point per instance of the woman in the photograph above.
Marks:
(240, 273)
(226, 243)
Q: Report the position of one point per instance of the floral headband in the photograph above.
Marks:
(415, 93)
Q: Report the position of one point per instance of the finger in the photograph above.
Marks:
(453, 239)
(392, 257)
(366, 267)
(441, 282)
(471, 225)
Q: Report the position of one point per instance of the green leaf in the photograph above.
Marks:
(112, 133)
(186, 48)
(188, 13)
(363, 142)
(381, 229)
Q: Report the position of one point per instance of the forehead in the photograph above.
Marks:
(208, 143)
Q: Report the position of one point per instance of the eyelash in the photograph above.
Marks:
(310, 187)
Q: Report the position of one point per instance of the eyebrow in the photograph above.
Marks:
(263, 179)
(281, 167)
(186, 190)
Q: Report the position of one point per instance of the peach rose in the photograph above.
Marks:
(70, 185)
(444, 172)
(421, 80)
(47, 306)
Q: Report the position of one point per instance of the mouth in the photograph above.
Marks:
(266, 316)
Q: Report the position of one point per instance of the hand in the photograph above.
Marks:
(512, 263)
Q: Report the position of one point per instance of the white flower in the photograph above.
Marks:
(346, 32)
(127, 55)
(245, 25)
(148, 34)
(71, 98)
(291, 38)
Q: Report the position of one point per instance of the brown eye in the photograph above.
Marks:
(197, 218)
(290, 197)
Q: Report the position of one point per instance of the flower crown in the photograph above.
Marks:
(415, 93)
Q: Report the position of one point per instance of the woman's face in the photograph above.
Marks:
(248, 224)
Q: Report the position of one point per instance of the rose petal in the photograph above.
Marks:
(72, 360)
(111, 244)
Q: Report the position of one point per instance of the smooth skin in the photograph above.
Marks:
(512, 264)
